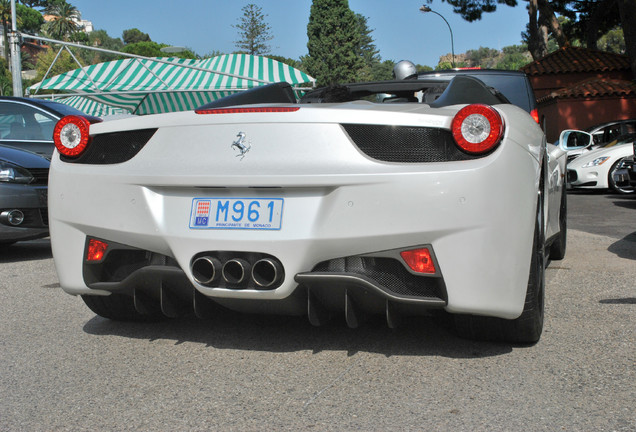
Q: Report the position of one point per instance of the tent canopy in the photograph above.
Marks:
(151, 86)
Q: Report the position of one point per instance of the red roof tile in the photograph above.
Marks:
(595, 87)
(573, 59)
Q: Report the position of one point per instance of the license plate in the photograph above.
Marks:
(237, 213)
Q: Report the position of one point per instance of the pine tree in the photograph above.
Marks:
(334, 43)
(253, 31)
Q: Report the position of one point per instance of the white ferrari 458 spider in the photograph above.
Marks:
(394, 198)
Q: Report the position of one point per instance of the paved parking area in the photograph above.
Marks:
(66, 369)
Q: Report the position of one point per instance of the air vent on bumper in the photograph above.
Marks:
(112, 148)
(410, 144)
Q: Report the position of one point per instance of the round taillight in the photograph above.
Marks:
(71, 135)
(477, 128)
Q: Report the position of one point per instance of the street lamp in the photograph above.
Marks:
(425, 9)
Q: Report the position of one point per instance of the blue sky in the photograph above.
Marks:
(401, 31)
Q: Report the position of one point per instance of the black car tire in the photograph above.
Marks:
(557, 249)
(527, 328)
(612, 184)
(117, 307)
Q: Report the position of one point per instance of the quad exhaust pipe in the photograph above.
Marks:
(206, 270)
(266, 272)
(237, 272)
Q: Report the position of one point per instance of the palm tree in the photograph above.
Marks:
(63, 22)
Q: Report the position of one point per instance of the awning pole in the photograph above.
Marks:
(16, 63)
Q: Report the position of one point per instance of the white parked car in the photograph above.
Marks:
(336, 204)
(599, 136)
(597, 169)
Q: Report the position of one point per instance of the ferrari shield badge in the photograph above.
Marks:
(241, 145)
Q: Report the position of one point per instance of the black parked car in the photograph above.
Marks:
(23, 195)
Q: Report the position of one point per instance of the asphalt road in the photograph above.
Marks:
(63, 368)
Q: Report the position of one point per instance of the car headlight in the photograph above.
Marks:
(596, 162)
(10, 173)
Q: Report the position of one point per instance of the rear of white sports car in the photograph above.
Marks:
(351, 208)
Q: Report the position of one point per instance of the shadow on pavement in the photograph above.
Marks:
(429, 336)
(625, 247)
(26, 251)
(626, 201)
(628, 300)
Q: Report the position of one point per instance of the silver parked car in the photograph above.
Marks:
(28, 123)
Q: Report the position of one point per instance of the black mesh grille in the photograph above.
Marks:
(388, 273)
(112, 148)
(405, 143)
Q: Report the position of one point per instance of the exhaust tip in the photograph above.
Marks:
(234, 271)
(266, 272)
(205, 270)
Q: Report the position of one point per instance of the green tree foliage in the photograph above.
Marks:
(63, 23)
(134, 35)
(472, 10)
(153, 49)
(514, 57)
(612, 41)
(288, 61)
(35, 3)
(26, 17)
(146, 49)
(510, 58)
(6, 83)
(483, 57)
(213, 53)
(27, 61)
(383, 71)
(367, 50)
(29, 20)
(590, 20)
(63, 64)
(101, 39)
(254, 32)
(334, 43)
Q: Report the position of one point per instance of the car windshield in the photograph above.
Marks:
(624, 139)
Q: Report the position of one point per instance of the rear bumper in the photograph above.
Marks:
(477, 216)
(377, 283)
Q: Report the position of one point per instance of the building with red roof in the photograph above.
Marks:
(577, 88)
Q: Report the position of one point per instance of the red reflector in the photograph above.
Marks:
(477, 128)
(419, 260)
(71, 135)
(535, 115)
(96, 250)
(247, 110)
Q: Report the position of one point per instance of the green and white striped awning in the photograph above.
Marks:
(151, 86)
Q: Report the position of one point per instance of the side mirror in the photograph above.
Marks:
(575, 140)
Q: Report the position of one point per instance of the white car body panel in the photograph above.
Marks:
(478, 215)
(596, 177)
